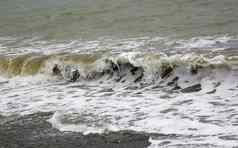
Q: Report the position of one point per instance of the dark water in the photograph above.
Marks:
(32, 131)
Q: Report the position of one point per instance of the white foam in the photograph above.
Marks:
(203, 41)
(94, 107)
(104, 105)
(116, 45)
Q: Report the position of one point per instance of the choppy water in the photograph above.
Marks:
(159, 67)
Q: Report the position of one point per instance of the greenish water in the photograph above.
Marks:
(61, 19)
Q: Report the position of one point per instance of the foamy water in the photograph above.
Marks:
(106, 99)
(168, 69)
(170, 45)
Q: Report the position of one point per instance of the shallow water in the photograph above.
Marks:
(168, 69)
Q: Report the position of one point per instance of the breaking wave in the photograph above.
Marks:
(177, 70)
(102, 91)
(184, 73)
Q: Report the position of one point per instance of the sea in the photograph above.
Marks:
(149, 66)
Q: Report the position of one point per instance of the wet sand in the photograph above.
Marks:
(33, 131)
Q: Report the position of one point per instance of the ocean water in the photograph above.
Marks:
(158, 67)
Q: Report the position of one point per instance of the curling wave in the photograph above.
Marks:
(126, 67)
(142, 66)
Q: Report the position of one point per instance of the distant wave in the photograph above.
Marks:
(169, 45)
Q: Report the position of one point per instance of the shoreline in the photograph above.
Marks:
(33, 131)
